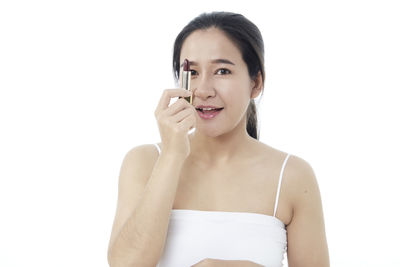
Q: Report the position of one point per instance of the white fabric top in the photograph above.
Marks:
(194, 235)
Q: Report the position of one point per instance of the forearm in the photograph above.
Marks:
(141, 239)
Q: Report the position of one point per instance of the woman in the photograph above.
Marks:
(210, 198)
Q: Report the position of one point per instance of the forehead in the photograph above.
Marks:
(204, 45)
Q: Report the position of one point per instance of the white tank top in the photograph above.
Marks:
(194, 235)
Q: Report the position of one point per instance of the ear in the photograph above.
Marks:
(257, 86)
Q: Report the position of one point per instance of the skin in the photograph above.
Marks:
(224, 139)
(225, 263)
(222, 154)
(226, 169)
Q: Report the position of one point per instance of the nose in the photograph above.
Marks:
(203, 87)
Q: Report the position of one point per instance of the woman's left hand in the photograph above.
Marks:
(225, 263)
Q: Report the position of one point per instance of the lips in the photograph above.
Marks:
(208, 110)
(209, 114)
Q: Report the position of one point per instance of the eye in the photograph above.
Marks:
(224, 71)
(193, 72)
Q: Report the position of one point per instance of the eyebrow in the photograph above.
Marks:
(214, 61)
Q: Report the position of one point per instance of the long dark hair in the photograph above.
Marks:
(243, 33)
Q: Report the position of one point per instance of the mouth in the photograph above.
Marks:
(208, 114)
(208, 110)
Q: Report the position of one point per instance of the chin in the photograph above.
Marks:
(209, 132)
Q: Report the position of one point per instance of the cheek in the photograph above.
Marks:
(235, 89)
(233, 83)
(236, 101)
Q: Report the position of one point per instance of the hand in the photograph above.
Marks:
(225, 263)
(175, 121)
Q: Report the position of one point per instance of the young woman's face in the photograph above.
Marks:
(219, 78)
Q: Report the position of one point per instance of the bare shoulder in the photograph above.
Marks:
(146, 150)
(299, 185)
(136, 167)
(298, 176)
(301, 178)
(299, 181)
(145, 154)
(307, 243)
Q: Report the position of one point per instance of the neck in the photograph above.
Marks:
(220, 150)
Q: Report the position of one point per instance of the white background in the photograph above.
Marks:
(80, 80)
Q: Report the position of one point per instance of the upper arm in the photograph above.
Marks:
(307, 244)
(134, 173)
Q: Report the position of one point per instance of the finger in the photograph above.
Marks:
(187, 123)
(168, 94)
(178, 117)
(176, 107)
(188, 90)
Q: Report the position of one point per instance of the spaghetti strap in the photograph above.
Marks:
(158, 148)
(279, 185)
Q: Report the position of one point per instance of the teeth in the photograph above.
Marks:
(207, 108)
